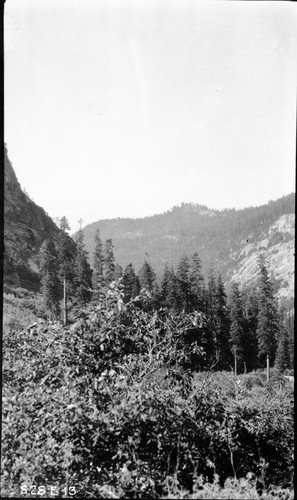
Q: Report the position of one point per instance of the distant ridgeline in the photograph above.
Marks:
(26, 226)
(229, 241)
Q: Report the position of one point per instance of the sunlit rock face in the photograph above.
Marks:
(278, 245)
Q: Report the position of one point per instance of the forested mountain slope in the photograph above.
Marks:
(26, 226)
(228, 240)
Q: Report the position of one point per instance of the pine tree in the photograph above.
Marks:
(197, 285)
(282, 360)
(237, 325)
(64, 224)
(65, 251)
(82, 270)
(267, 327)
(50, 283)
(130, 283)
(183, 284)
(109, 262)
(147, 277)
(118, 271)
(168, 289)
(98, 261)
(66, 261)
(164, 289)
(291, 333)
(210, 301)
(221, 326)
(250, 340)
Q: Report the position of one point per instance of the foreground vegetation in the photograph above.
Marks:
(109, 406)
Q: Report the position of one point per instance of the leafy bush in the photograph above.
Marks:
(243, 488)
(289, 372)
(109, 405)
(252, 380)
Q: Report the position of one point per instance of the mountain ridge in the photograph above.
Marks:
(220, 238)
(228, 240)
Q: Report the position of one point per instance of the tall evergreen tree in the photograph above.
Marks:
(197, 285)
(282, 360)
(130, 283)
(251, 344)
(109, 262)
(98, 261)
(65, 251)
(291, 333)
(221, 326)
(147, 276)
(183, 284)
(118, 271)
(66, 263)
(267, 327)
(168, 289)
(50, 283)
(237, 325)
(164, 285)
(211, 297)
(83, 272)
(210, 304)
(64, 224)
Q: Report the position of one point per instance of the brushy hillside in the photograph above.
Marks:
(106, 407)
(21, 308)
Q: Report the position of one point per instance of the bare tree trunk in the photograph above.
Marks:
(231, 453)
(267, 368)
(235, 365)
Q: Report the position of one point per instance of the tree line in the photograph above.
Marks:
(241, 329)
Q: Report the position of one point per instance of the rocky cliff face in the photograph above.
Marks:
(278, 245)
(26, 226)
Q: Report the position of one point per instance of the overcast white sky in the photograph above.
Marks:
(126, 108)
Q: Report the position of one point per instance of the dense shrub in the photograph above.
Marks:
(289, 372)
(20, 308)
(252, 380)
(108, 405)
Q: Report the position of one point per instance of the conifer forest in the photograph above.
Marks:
(118, 383)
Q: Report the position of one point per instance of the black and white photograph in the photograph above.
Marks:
(149, 249)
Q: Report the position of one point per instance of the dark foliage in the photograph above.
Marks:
(111, 406)
(267, 320)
